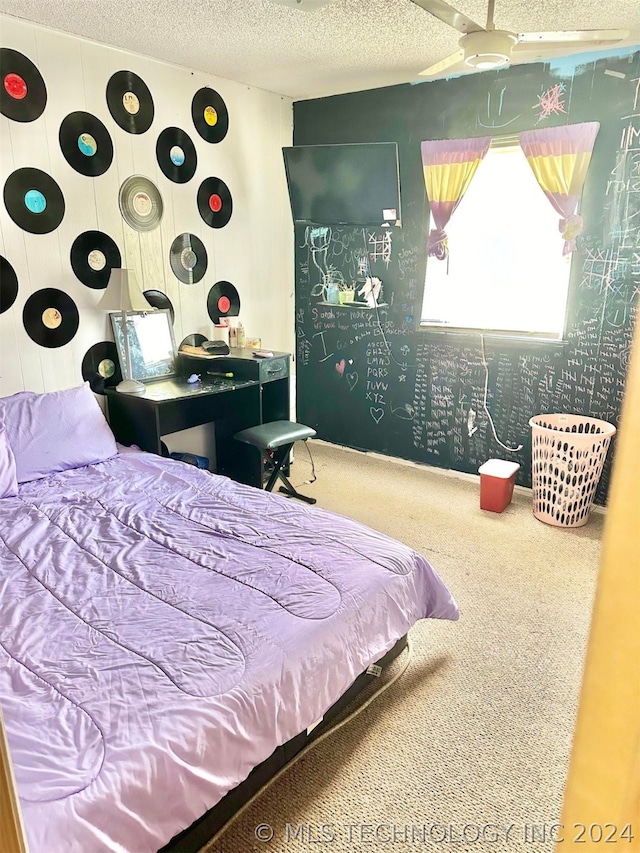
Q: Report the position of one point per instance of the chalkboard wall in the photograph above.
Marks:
(371, 379)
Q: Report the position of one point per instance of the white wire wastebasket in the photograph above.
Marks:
(567, 457)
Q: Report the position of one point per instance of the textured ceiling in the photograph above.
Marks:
(347, 46)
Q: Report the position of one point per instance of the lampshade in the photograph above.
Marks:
(123, 293)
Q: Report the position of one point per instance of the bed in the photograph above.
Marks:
(165, 629)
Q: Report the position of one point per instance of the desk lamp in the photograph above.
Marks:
(123, 294)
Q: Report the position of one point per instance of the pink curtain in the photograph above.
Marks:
(559, 158)
(448, 166)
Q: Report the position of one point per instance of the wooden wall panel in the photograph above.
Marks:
(254, 251)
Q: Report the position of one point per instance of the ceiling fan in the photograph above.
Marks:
(482, 48)
(304, 5)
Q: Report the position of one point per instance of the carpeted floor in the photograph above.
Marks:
(468, 750)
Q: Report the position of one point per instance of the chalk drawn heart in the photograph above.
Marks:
(340, 366)
(376, 414)
(352, 379)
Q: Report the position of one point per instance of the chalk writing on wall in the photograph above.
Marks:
(399, 390)
(551, 102)
(496, 115)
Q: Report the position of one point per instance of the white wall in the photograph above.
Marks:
(254, 250)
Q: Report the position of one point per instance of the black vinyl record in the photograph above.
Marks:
(188, 258)
(23, 95)
(223, 301)
(50, 317)
(160, 300)
(86, 144)
(141, 204)
(130, 102)
(215, 204)
(8, 285)
(209, 114)
(100, 366)
(93, 256)
(176, 155)
(192, 341)
(34, 200)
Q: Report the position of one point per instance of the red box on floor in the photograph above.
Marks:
(497, 479)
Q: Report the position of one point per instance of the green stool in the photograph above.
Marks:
(277, 438)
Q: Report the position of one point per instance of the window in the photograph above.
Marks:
(505, 271)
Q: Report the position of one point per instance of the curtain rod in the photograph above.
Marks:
(504, 141)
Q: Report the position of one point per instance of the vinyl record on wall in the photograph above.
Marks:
(140, 203)
(34, 200)
(176, 155)
(100, 366)
(215, 204)
(223, 301)
(210, 116)
(8, 285)
(160, 300)
(23, 94)
(50, 317)
(93, 256)
(85, 143)
(188, 258)
(130, 102)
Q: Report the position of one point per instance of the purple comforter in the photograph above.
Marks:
(163, 629)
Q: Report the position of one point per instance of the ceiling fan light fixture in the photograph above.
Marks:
(486, 49)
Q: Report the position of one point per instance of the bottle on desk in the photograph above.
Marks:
(241, 338)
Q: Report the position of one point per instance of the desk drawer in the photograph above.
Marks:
(274, 368)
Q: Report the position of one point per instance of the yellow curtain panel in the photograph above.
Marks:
(449, 166)
(559, 158)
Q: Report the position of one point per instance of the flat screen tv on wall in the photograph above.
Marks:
(356, 184)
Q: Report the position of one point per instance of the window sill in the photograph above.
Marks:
(492, 339)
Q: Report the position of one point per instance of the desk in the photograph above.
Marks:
(272, 373)
(257, 393)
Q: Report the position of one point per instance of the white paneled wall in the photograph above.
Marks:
(254, 250)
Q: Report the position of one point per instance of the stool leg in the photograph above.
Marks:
(278, 460)
(280, 456)
(291, 491)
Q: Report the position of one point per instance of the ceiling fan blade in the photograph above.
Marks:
(449, 15)
(304, 5)
(579, 36)
(454, 64)
(547, 51)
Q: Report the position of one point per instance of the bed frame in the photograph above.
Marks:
(203, 829)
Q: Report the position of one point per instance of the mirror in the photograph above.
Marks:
(152, 347)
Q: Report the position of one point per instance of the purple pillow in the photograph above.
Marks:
(55, 431)
(8, 481)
